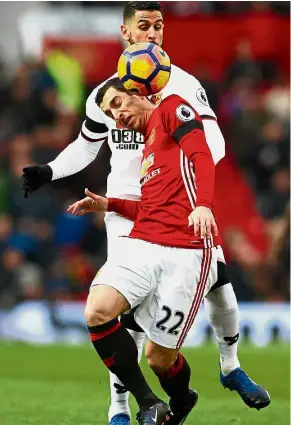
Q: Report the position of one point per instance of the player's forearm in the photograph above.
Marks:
(205, 179)
(197, 151)
(74, 158)
(126, 208)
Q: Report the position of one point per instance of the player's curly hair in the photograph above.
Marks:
(113, 82)
(132, 6)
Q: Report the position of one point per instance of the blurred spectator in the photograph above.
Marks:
(277, 99)
(271, 152)
(185, 8)
(279, 258)
(5, 231)
(244, 65)
(18, 115)
(274, 202)
(66, 71)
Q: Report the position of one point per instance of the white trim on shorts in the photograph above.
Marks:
(205, 268)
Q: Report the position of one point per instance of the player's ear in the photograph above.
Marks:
(125, 32)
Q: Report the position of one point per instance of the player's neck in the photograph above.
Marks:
(147, 116)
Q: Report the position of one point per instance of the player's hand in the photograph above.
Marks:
(203, 222)
(34, 177)
(92, 203)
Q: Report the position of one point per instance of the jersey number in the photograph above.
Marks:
(173, 330)
(126, 136)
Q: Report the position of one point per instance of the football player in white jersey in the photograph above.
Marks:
(143, 21)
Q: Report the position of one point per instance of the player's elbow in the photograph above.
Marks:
(215, 140)
(220, 152)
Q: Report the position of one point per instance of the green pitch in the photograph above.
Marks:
(60, 385)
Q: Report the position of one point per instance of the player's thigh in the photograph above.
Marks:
(104, 303)
(127, 272)
(116, 226)
(168, 314)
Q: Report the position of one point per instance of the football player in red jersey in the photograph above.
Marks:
(169, 262)
(177, 172)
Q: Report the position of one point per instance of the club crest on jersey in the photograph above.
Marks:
(157, 98)
(151, 137)
(202, 97)
(185, 113)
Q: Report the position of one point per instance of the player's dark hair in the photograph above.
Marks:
(133, 6)
(113, 82)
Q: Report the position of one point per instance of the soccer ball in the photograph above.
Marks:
(144, 68)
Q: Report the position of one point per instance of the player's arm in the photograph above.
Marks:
(76, 156)
(191, 90)
(186, 127)
(95, 203)
(125, 207)
(191, 139)
(195, 147)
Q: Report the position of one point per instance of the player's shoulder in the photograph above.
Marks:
(189, 88)
(92, 109)
(180, 77)
(176, 109)
(171, 102)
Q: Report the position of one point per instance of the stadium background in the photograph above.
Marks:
(51, 55)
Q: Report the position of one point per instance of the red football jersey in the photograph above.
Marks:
(177, 174)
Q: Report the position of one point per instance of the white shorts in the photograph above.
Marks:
(116, 226)
(168, 284)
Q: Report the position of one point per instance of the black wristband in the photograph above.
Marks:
(46, 173)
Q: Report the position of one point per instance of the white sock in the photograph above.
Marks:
(119, 399)
(222, 309)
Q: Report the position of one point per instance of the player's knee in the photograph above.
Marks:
(160, 359)
(104, 304)
(95, 314)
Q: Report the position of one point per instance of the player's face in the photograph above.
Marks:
(144, 26)
(127, 110)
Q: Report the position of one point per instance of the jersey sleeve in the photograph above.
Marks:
(127, 208)
(185, 126)
(189, 88)
(80, 153)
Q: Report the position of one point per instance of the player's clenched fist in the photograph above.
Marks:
(203, 222)
(92, 203)
(34, 177)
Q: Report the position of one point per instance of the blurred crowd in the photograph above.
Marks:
(187, 8)
(46, 253)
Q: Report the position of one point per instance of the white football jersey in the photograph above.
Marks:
(127, 145)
